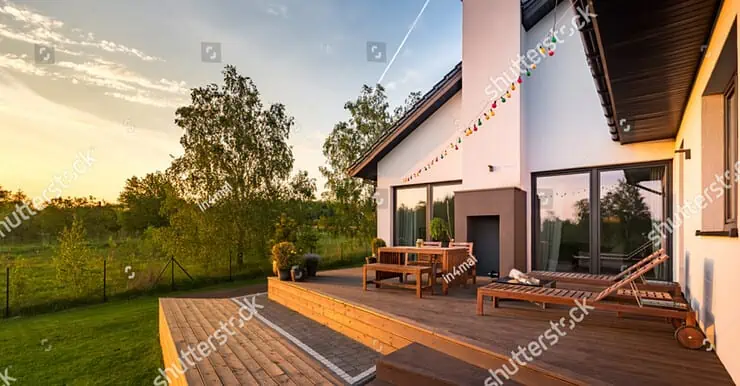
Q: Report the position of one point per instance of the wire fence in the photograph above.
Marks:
(35, 286)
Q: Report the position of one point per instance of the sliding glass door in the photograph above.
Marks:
(564, 223)
(630, 200)
(411, 214)
(598, 220)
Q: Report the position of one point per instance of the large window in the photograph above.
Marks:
(413, 213)
(731, 156)
(599, 220)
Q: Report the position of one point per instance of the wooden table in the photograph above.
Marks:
(415, 270)
(446, 258)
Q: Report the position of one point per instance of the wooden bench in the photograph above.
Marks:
(403, 270)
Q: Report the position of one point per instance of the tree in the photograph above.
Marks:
(370, 118)
(72, 257)
(230, 138)
(142, 200)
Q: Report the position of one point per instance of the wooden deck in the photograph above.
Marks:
(602, 349)
(254, 355)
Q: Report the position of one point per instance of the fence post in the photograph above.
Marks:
(105, 272)
(7, 292)
(172, 262)
(230, 279)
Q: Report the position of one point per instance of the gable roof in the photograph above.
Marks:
(367, 165)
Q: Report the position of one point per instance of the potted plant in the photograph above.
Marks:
(283, 258)
(375, 244)
(311, 261)
(439, 230)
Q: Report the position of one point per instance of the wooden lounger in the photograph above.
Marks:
(595, 280)
(688, 334)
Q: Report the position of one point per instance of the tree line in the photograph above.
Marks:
(230, 138)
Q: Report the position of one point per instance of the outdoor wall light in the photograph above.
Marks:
(687, 153)
(490, 168)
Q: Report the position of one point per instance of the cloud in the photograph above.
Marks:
(21, 64)
(35, 28)
(279, 10)
(145, 98)
(119, 82)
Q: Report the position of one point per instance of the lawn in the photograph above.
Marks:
(116, 343)
(132, 270)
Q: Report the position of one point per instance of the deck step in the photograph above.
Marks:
(417, 364)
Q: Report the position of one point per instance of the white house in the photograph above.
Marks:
(614, 123)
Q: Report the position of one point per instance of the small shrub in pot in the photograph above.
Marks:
(284, 257)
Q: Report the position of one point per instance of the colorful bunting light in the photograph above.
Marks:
(485, 114)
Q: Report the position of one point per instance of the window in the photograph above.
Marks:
(601, 220)
(730, 153)
(416, 206)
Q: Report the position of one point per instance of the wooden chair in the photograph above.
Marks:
(468, 245)
(434, 244)
(687, 334)
(588, 279)
(424, 259)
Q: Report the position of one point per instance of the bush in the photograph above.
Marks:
(376, 244)
(284, 255)
(19, 281)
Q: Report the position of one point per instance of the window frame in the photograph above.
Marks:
(429, 201)
(730, 149)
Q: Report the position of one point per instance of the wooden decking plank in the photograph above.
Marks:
(258, 364)
(227, 310)
(203, 331)
(230, 356)
(194, 374)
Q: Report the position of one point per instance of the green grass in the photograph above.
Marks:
(107, 344)
(43, 292)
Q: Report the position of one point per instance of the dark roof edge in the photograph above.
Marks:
(596, 60)
(440, 93)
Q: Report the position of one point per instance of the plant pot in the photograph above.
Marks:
(371, 260)
(298, 273)
(312, 264)
(284, 274)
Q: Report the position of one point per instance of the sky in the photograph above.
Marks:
(120, 69)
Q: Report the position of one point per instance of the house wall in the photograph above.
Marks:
(564, 122)
(554, 122)
(491, 40)
(430, 139)
(708, 267)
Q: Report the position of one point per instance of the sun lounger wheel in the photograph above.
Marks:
(677, 323)
(690, 337)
